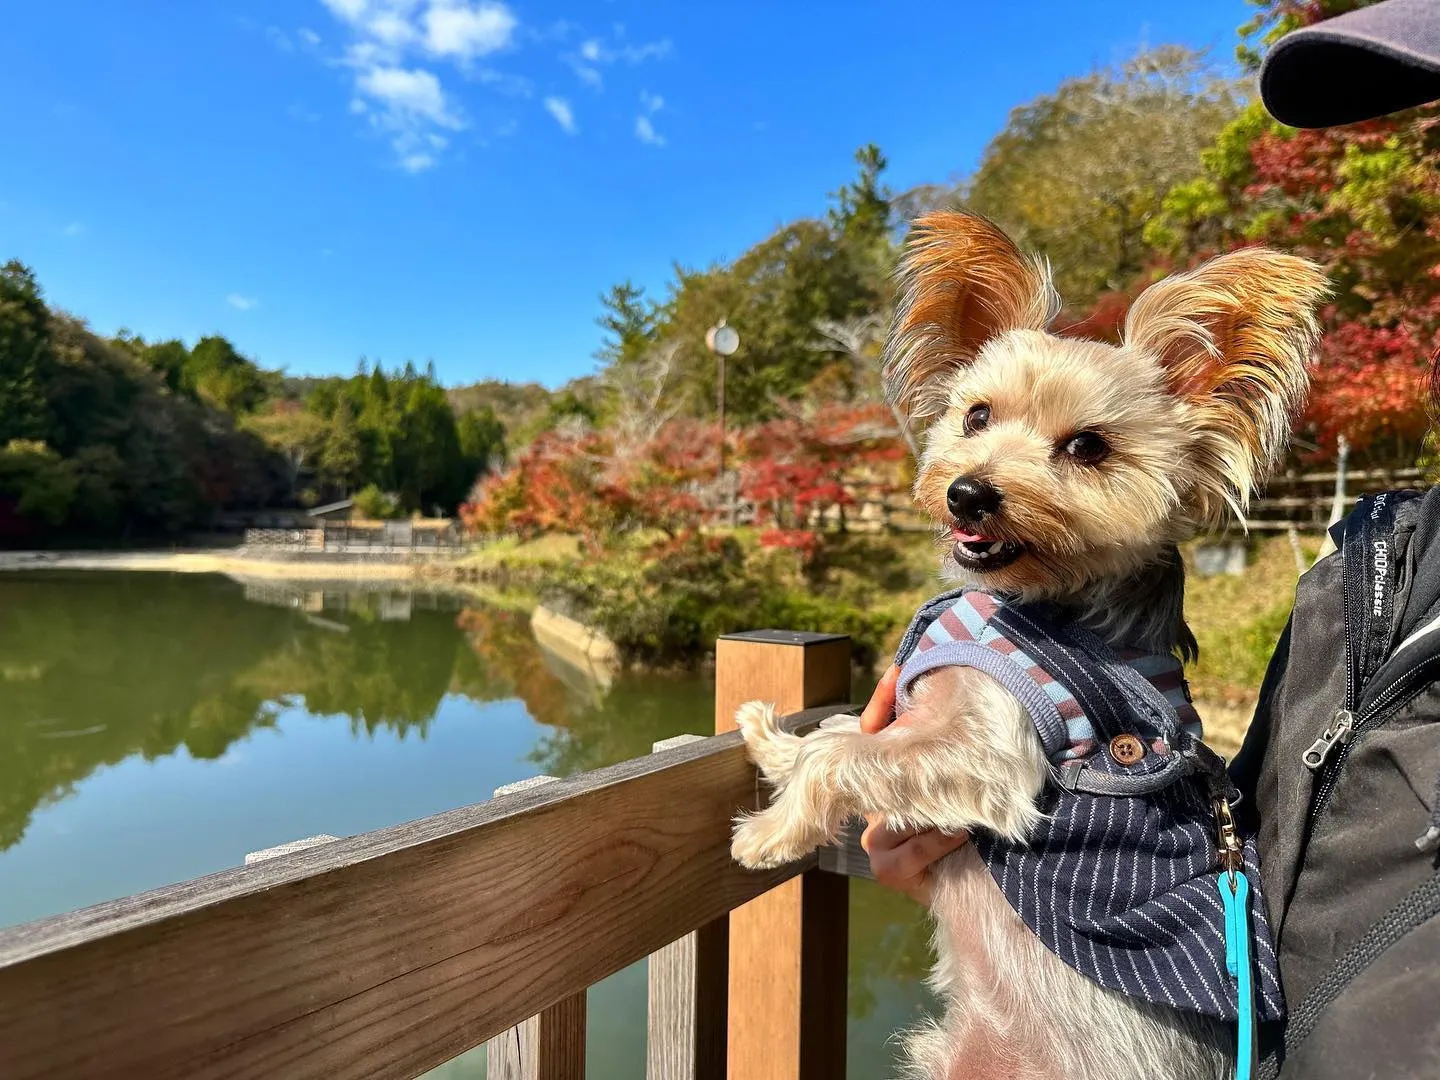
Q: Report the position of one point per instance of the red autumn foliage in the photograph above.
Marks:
(587, 483)
(797, 468)
(790, 469)
(1364, 202)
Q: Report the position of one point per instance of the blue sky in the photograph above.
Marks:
(458, 180)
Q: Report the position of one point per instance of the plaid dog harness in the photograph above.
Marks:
(1119, 880)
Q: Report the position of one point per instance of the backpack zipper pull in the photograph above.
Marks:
(1337, 734)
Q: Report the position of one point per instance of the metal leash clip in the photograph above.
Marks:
(1232, 858)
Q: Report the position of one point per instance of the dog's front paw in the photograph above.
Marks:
(770, 747)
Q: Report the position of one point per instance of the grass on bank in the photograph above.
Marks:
(666, 607)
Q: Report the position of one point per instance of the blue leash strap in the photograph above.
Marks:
(1234, 889)
(1235, 895)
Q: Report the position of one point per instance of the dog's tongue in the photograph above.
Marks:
(969, 538)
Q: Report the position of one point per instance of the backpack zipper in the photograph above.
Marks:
(1336, 734)
(1346, 728)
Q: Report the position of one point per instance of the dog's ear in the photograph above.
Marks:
(961, 281)
(1235, 337)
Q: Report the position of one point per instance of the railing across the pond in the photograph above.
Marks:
(389, 953)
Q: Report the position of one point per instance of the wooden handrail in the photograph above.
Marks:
(388, 953)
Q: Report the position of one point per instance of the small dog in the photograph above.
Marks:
(1063, 474)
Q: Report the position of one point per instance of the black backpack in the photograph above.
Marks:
(1339, 777)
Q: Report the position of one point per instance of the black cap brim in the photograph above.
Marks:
(1361, 65)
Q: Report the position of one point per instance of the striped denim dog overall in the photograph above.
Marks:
(1118, 880)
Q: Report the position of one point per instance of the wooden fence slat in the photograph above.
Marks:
(686, 1012)
(686, 1007)
(386, 954)
(550, 1046)
(788, 948)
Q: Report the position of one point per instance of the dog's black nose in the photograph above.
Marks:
(971, 500)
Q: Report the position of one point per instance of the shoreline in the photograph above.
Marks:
(224, 561)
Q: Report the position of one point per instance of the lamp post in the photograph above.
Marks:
(722, 340)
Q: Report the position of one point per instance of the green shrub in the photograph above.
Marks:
(375, 504)
(669, 605)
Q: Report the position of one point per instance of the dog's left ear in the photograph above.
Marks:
(1235, 338)
(960, 282)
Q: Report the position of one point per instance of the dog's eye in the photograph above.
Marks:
(977, 419)
(1087, 448)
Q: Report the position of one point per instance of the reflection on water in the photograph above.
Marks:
(155, 727)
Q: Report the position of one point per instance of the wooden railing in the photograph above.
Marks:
(386, 954)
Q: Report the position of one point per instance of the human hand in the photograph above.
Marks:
(900, 858)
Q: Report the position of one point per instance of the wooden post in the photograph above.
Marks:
(788, 948)
(551, 1045)
(688, 981)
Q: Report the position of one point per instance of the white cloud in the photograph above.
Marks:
(241, 303)
(75, 228)
(308, 36)
(348, 10)
(646, 133)
(302, 114)
(560, 109)
(279, 39)
(467, 31)
(390, 28)
(408, 94)
(402, 95)
(644, 127)
(596, 52)
(588, 75)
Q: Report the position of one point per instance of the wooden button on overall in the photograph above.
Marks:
(1126, 749)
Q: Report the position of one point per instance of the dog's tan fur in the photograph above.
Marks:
(1195, 407)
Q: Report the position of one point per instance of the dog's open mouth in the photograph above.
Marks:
(976, 552)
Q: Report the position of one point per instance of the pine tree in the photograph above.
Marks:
(340, 457)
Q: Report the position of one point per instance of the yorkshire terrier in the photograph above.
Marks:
(1063, 473)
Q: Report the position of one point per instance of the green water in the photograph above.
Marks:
(157, 727)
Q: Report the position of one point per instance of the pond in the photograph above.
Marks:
(158, 727)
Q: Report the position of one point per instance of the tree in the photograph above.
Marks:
(772, 294)
(1078, 174)
(26, 355)
(628, 320)
(41, 482)
(298, 436)
(340, 456)
(796, 467)
(225, 379)
(171, 360)
(858, 339)
(642, 397)
(482, 441)
(861, 211)
(1364, 202)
